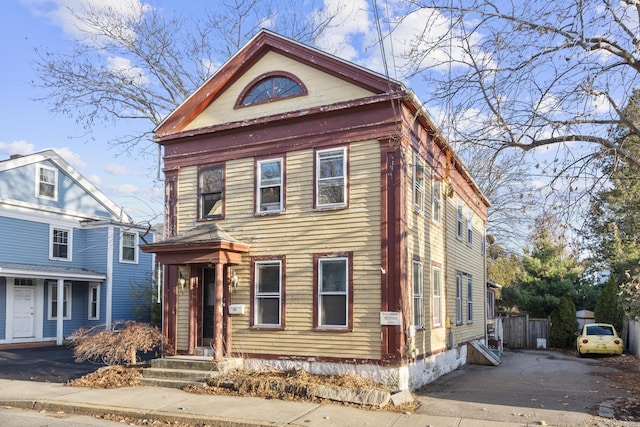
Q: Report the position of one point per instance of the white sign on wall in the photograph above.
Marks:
(390, 318)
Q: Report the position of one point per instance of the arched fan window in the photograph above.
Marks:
(271, 87)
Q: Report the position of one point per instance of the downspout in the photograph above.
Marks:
(109, 280)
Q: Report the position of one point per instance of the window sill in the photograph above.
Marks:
(330, 208)
(266, 328)
(331, 329)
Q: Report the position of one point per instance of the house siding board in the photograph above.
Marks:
(323, 89)
(3, 307)
(355, 229)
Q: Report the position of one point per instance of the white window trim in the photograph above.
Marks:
(89, 298)
(66, 292)
(345, 293)
(418, 189)
(55, 182)
(460, 220)
(319, 205)
(469, 227)
(437, 298)
(459, 290)
(69, 243)
(436, 201)
(135, 249)
(257, 295)
(419, 310)
(469, 299)
(259, 185)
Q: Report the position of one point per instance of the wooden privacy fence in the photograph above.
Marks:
(522, 331)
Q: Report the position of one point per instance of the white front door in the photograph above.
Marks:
(23, 314)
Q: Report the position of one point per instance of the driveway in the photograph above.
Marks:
(45, 364)
(529, 386)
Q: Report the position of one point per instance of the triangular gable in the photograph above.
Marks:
(79, 179)
(256, 49)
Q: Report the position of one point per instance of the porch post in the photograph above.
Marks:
(218, 317)
(59, 312)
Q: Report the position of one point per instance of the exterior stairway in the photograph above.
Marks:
(179, 371)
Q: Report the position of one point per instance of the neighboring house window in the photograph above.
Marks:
(469, 299)
(333, 292)
(418, 302)
(47, 183)
(94, 302)
(331, 178)
(418, 183)
(470, 226)
(60, 248)
(53, 301)
(270, 88)
(437, 297)
(491, 304)
(460, 221)
(435, 201)
(211, 191)
(458, 298)
(268, 293)
(129, 247)
(270, 194)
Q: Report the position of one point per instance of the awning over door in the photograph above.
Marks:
(203, 244)
(34, 271)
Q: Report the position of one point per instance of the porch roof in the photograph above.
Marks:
(37, 271)
(205, 243)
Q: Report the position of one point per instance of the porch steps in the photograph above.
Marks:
(180, 371)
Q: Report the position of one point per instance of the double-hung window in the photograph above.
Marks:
(60, 244)
(418, 301)
(211, 192)
(436, 201)
(129, 247)
(331, 178)
(53, 301)
(418, 183)
(469, 299)
(94, 302)
(269, 185)
(437, 297)
(268, 293)
(47, 182)
(333, 292)
(458, 298)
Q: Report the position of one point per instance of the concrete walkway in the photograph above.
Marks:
(177, 405)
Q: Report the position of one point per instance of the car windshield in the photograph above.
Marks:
(599, 330)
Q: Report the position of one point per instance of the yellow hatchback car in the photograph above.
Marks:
(599, 338)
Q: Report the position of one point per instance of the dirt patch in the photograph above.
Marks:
(115, 376)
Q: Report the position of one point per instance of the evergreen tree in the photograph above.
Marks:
(609, 309)
(549, 273)
(563, 324)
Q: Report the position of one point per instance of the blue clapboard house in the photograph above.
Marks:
(69, 256)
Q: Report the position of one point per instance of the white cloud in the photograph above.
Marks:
(70, 15)
(16, 147)
(124, 189)
(353, 26)
(71, 157)
(123, 68)
(116, 169)
(95, 180)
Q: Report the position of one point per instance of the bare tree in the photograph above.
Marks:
(139, 63)
(550, 79)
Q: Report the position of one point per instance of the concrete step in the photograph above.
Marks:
(187, 363)
(169, 383)
(180, 374)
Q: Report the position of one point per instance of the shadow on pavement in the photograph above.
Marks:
(53, 364)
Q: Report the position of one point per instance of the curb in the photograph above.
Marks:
(94, 410)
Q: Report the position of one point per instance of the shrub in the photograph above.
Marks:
(119, 344)
(563, 324)
(609, 308)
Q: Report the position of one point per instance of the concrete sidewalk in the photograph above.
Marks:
(177, 405)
